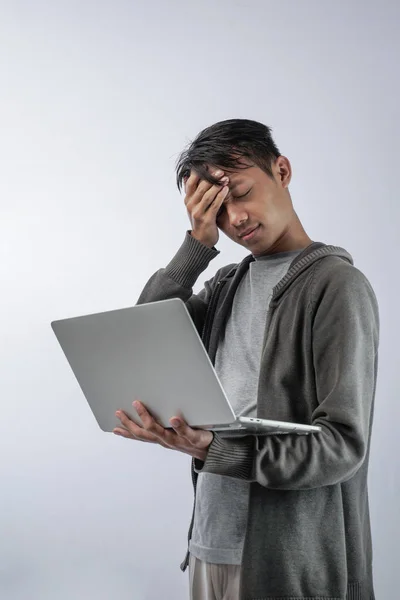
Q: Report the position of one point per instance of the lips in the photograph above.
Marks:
(242, 235)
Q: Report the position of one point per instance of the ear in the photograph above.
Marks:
(283, 170)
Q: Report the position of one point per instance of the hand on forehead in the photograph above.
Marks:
(216, 172)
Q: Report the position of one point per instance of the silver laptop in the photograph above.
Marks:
(152, 353)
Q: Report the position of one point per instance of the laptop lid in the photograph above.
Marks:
(150, 352)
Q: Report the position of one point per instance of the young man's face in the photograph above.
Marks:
(259, 205)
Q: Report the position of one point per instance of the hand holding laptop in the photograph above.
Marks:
(154, 352)
(181, 437)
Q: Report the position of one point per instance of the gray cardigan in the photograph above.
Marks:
(308, 531)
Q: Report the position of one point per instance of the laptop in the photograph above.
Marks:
(153, 353)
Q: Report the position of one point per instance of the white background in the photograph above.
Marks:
(97, 100)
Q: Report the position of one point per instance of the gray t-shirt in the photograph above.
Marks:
(221, 502)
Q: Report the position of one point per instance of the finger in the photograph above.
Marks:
(193, 196)
(215, 172)
(183, 430)
(196, 188)
(123, 433)
(136, 430)
(217, 206)
(191, 183)
(141, 435)
(204, 197)
(206, 186)
(168, 438)
(197, 438)
(211, 199)
(149, 423)
(129, 436)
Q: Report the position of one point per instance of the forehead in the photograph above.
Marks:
(242, 175)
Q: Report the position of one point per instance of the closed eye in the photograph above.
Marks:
(221, 210)
(243, 195)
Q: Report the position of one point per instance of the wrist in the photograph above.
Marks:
(200, 455)
(208, 244)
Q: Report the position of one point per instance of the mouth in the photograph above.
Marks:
(249, 234)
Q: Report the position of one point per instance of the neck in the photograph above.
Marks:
(294, 237)
(299, 241)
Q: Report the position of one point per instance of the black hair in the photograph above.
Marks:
(223, 145)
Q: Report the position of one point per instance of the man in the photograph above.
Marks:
(293, 333)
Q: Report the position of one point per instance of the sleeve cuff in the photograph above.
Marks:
(232, 457)
(190, 261)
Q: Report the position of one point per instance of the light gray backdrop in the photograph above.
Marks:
(97, 99)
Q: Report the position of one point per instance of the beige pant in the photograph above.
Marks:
(213, 582)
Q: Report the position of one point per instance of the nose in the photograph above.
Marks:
(237, 216)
